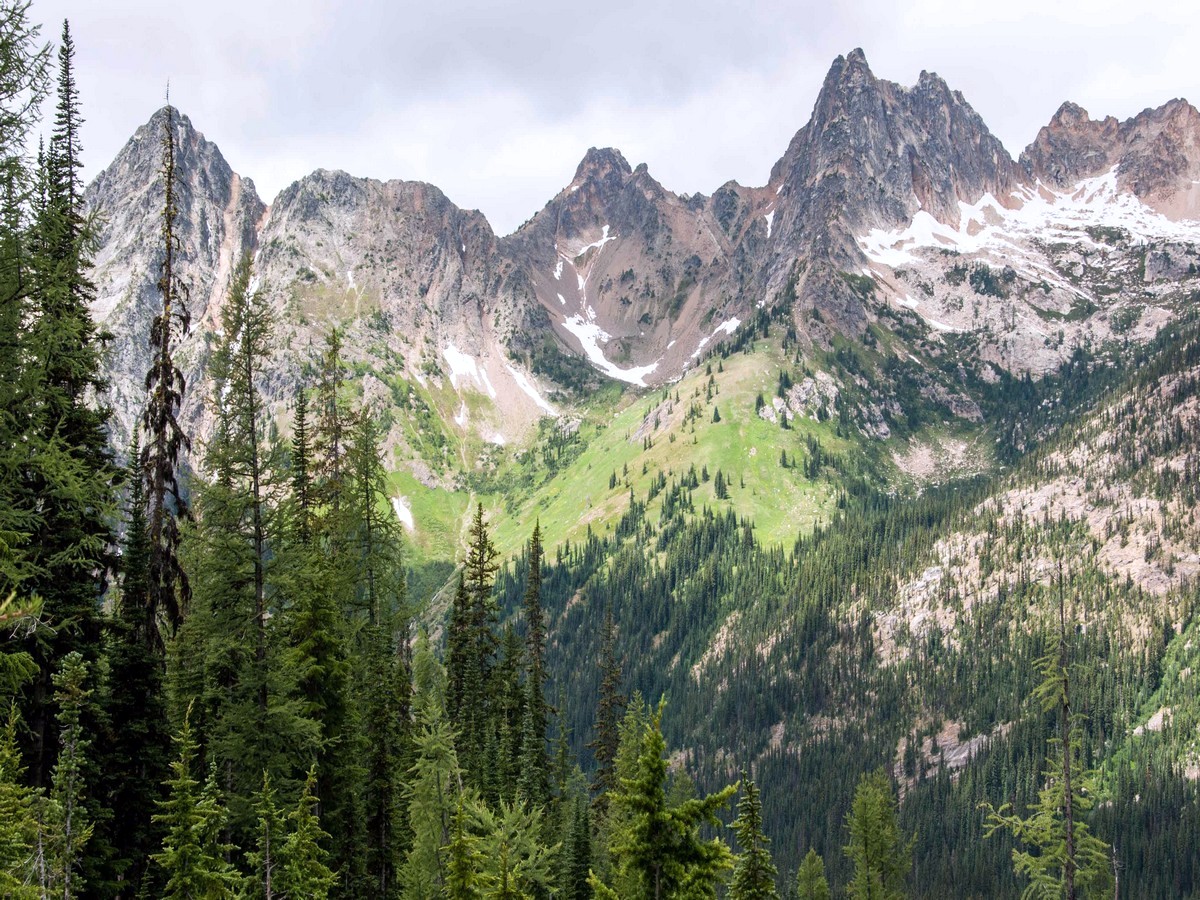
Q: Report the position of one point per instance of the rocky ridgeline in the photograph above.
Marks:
(893, 210)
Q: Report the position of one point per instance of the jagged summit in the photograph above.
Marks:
(1156, 154)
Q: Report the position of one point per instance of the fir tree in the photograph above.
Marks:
(880, 857)
(192, 857)
(657, 848)
(18, 818)
(1064, 858)
(304, 872)
(265, 858)
(534, 784)
(65, 816)
(754, 873)
(69, 468)
(810, 878)
(434, 785)
(608, 712)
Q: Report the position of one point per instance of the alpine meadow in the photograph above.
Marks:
(834, 537)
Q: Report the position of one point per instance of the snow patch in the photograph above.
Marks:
(561, 300)
(558, 270)
(461, 418)
(604, 239)
(770, 217)
(464, 366)
(590, 336)
(729, 326)
(404, 512)
(1038, 212)
(524, 384)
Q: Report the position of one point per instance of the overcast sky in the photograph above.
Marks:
(496, 103)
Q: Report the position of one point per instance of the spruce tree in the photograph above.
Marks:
(754, 873)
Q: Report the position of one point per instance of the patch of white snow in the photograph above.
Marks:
(404, 512)
(527, 386)
(590, 336)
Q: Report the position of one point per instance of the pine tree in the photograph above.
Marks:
(880, 857)
(754, 873)
(168, 591)
(810, 878)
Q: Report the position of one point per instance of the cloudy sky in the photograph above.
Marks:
(496, 103)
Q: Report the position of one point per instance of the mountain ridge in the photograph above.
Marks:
(639, 282)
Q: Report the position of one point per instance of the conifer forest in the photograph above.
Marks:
(227, 671)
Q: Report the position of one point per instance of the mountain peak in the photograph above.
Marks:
(598, 163)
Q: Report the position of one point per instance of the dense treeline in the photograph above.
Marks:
(217, 683)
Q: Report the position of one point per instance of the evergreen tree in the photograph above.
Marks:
(477, 717)
(18, 818)
(192, 857)
(810, 878)
(435, 784)
(69, 468)
(880, 857)
(608, 713)
(168, 591)
(1064, 858)
(265, 859)
(754, 873)
(304, 873)
(657, 849)
(534, 785)
(65, 816)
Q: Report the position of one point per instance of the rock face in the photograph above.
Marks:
(630, 275)
(1156, 154)
(893, 210)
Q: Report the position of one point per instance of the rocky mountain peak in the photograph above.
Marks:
(602, 165)
(1155, 154)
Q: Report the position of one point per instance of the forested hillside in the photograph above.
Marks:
(803, 621)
